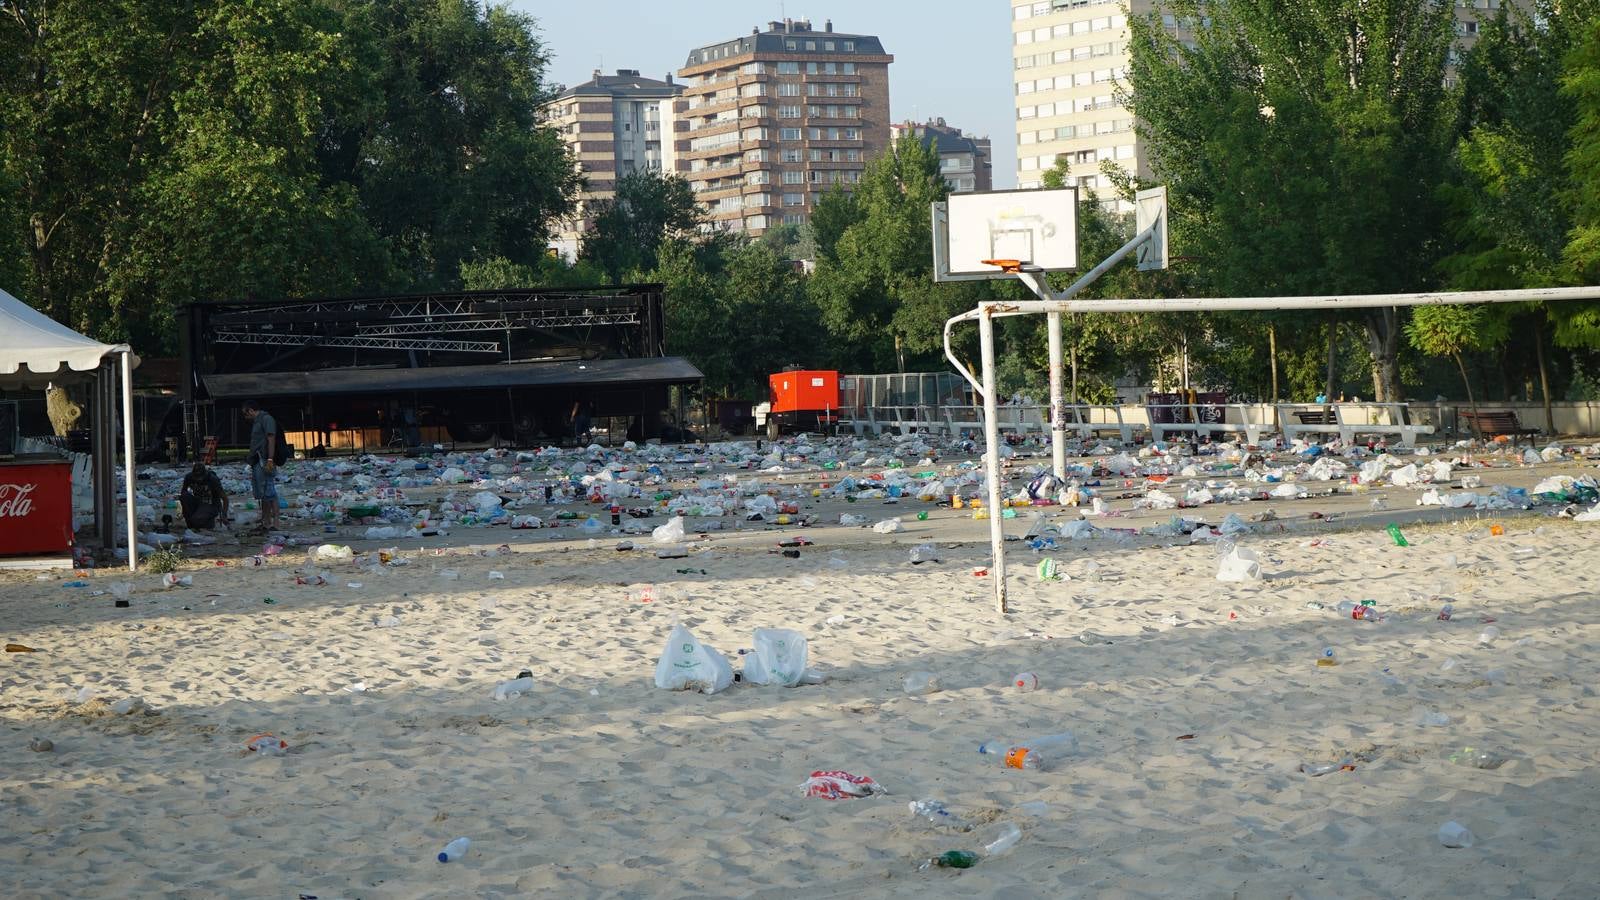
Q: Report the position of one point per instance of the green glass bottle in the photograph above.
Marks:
(956, 859)
(1394, 533)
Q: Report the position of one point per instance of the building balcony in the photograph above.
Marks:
(712, 127)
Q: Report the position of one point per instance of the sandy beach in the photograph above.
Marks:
(1194, 703)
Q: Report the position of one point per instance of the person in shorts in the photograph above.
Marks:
(264, 439)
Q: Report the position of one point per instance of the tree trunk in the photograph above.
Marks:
(1073, 350)
(1383, 342)
(1333, 359)
(1272, 354)
(1544, 378)
(1471, 401)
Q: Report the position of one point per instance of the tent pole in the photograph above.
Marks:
(127, 458)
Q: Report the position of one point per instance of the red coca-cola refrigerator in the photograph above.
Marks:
(35, 505)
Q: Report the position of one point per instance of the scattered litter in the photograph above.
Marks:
(687, 664)
(839, 785)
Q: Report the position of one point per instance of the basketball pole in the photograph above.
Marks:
(991, 436)
(1058, 405)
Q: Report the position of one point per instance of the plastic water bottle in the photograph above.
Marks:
(921, 683)
(511, 690)
(1455, 835)
(1042, 753)
(936, 812)
(455, 850)
(1009, 836)
(1025, 681)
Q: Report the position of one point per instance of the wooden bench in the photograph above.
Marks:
(1496, 422)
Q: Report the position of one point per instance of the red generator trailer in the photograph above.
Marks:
(803, 401)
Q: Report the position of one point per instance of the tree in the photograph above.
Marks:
(1304, 145)
(1452, 330)
(1580, 84)
(874, 279)
(156, 153)
(648, 209)
(448, 151)
(741, 324)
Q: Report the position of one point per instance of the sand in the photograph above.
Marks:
(597, 784)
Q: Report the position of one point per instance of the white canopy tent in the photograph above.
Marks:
(36, 351)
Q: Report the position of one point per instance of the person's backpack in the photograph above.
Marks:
(281, 451)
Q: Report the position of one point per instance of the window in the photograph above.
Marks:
(1027, 137)
(827, 46)
(814, 112)
(811, 68)
(852, 134)
(1024, 37)
(816, 156)
(849, 68)
(1024, 87)
(788, 89)
(851, 112)
(794, 219)
(1047, 109)
(1024, 62)
(794, 199)
(791, 156)
(811, 45)
(849, 46)
(852, 155)
(1027, 112)
(788, 68)
(814, 134)
(792, 176)
(852, 90)
(791, 45)
(760, 177)
(788, 112)
(788, 134)
(818, 176)
(830, 69)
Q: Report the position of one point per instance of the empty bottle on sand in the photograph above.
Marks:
(936, 813)
(455, 850)
(1042, 753)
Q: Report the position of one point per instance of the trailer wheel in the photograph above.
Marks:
(773, 429)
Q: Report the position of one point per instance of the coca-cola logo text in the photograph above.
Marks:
(14, 500)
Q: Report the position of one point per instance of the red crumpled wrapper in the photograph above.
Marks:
(840, 785)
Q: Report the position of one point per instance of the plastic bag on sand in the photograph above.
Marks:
(333, 553)
(670, 533)
(1592, 515)
(888, 526)
(1404, 476)
(688, 665)
(1239, 564)
(382, 533)
(779, 658)
(839, 785)
(924, 553)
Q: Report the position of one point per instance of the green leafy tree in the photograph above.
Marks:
(1580, 84)
(1452, 330)
(874, 279)
(1304, 145)
(649, 208)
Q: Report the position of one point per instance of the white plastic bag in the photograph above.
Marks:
(888, 526)
(779, 657)
(670, 533)
(688, 665)
(1239, 564)
(333, 553)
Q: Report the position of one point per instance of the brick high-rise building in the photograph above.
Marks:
(769, 121)
(1068, 55)
(613, 126)
(966, 162)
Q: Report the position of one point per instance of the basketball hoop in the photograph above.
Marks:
(1009, 266)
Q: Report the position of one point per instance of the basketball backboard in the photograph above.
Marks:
(1038, 228)
(1150, 208)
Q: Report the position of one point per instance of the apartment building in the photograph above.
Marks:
(769, 121)
(613, 126)
(966, 162)
(1068, 56)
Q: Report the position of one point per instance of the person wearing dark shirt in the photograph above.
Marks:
(203, 498)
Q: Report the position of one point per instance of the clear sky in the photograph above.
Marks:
(952, 58)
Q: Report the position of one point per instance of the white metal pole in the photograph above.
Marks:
(127, 457)
(991, 434)
(1058, 403)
